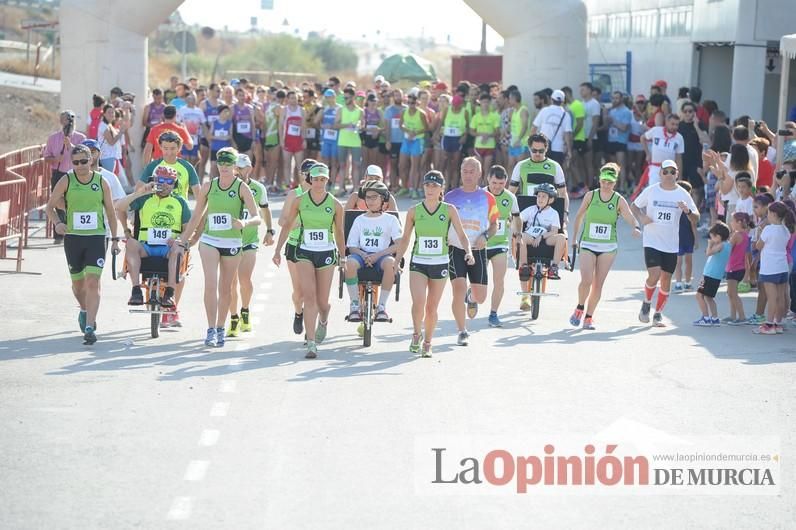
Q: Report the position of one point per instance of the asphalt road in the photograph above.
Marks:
(166, 433)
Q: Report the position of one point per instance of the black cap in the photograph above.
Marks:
(434, 177)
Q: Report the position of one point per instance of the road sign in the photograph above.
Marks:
(773, 62)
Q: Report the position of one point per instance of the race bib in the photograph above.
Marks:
(613, 132)
(309, 133)
(370, 244)
(429, 246)
(212, 118)
(244, 127)
(452, 131)
(664, 216)
(600, 232)
(395, 123)
(329, 134)
(536, 231)
(158, 236)
(220, 221)
(84, 221)
(316, 238)
(293, 130)
(502, 225)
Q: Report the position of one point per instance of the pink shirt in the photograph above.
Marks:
(737, 259)
(55, 147)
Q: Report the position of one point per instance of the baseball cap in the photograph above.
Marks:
(457, 100)
(243, 161)
(360, 93)
(329, 93)
(557, 95)
(425, 84)
(441, 86)
(319, 170)
(660, 83)
(413, 91)
(434, 177)
(378, 79)
(668, 163)
(374, 170)
(234, 82)
(91, 144)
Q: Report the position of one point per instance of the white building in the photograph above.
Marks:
(729, 48)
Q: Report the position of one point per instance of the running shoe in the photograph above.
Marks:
(714, 321)
(588, 323)
(678, 287)
(312, 350)
(704, 322)
(765, 329)
(779, 329)
(552, 272)
(137, 297)
(756, 320)
(727, 320)
(414, 346)
(736, 322)
(687, 286)
(744, 287)
(472, 307)
(219, 337)
(168, 298)
(575, 318)
(381, 314)
(791, 315)
(298, 323)
(354, 313)
(320, 332)
(81, 320)
(494, 321)
(234, 326)
(463, 339)
(525, 303)
(657, 320)
(426, 353)
(245, 322)
(210, 339)
(403, 192)
(89, 337)
(644, 314)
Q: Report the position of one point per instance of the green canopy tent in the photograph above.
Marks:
(406, 67)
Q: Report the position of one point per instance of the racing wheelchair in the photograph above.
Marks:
(369, 284)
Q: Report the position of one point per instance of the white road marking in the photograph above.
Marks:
(257, 308)
(209, 437)
(196, 470)
(228, 386)
(265, 285)
(262, 297)
(180, 509)
(219, 409)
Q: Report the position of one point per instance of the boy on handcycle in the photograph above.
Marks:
(542, 224)
(161, 217)
(372, 241)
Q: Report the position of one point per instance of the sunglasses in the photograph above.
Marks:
(668, 171)
(166, 180)
(81, 162)
(538, 151)
(412, 102)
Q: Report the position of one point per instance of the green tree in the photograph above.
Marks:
(335, 55)
(275, 52)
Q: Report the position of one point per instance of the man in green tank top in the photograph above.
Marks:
(349, 121)
(539, 169)
(89, 208)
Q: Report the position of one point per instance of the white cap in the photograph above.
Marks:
(243, 161)
(414, 91)
(668, 163)
(558, 95)
(378, 79)
(374, 170)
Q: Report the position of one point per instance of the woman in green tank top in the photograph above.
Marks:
(321, 246)
(219, 207)
(429, 221)
(597, 215)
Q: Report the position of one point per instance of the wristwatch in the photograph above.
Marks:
(270, 231)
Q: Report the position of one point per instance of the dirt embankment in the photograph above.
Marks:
(28, 117)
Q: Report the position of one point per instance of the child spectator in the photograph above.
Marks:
(761, 202)
(718, 253)
(774, 268)
(685, 255)
(736, 266)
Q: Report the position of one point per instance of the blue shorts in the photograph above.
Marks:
(155, 251)
(776, 279)
(412, 147)
(359, 259)
(517, 152)
(191, 152)
(451, 144)
(686, 247)
(329, 149)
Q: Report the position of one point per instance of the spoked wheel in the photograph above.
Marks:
(153, 288)
(537, 289)
(367, 317)
(154, 322)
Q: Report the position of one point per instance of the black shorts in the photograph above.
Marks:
(383, 148)
(432, 272)
(667, 261)
(736, 276)
(469, 143)
(224, 252)
(84, 254)
(244, 143)
(251, 246)
(597, 253)
(580, 146)
(558, 156)
(368, 141)
(709, 286)
(320, 259)
(612, 148)
(395, 150)
(290, 252)
(492, 252)
(313, 144)
(203, 142)
(458, 268)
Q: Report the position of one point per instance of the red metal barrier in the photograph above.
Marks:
(13, 194)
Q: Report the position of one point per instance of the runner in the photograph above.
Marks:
(194, 120)
(393, 142)
(160, 216)
(270, 137)
(325, 120)
(661, 143)
(356, 202)
(169, 124)
(153, 114)
(479, 217)
(89, 208)
(291, 137)
(243, 119)
(348, 122)
(497, 246)
(219, 206)
(294, 233)
(248, 260)
(311, 111)
(542, 225)
(485, 127)
(664, 203)
(372, 241)
(598, 243)
(169, 144)
(414, 126)
(453, 131)
(370, 136)
(520, 128)
(210, 108)
(431, 221)
(320, 248)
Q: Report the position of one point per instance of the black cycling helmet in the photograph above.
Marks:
(307, 165)
(547, 188)
(377, 186)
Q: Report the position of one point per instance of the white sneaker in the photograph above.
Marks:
(678, 287)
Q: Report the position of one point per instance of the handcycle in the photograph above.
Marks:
(154, 278)
(539, 258)
(369, 284)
